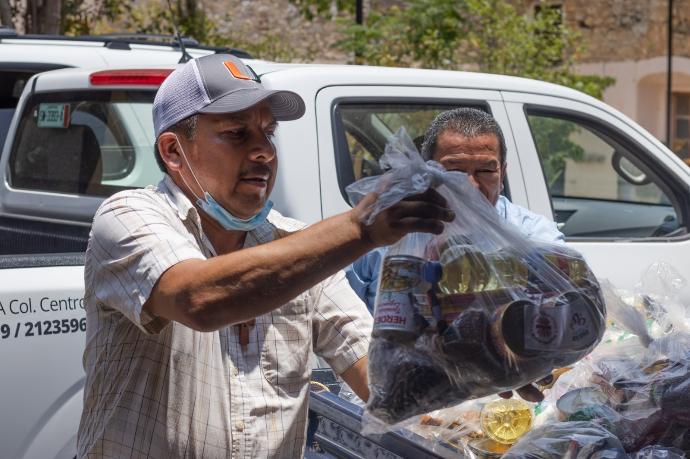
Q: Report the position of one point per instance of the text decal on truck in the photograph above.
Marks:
(16, 306)
(41, 328)
(29, 306)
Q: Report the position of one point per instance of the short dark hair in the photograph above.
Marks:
(468, 122)
(186, 127)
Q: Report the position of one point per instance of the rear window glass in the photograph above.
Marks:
(93, 143)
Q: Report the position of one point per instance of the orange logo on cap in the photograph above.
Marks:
(237, 73)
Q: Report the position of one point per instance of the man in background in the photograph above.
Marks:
(470, 141)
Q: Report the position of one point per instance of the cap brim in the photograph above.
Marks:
(285, 105)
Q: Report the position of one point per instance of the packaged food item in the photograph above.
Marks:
(474, 311)
(486, 448)
(636, 384)
(506, 420)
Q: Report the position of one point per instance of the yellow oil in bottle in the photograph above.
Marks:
(570, 266)
(468, 271)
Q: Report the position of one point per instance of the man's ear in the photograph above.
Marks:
(169, 149)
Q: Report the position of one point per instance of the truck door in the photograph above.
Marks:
(42, 325)
(617, 194)
(362, 118)
(67, 150)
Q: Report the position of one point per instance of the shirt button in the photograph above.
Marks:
(239, 425)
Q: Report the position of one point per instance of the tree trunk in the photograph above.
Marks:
(43, 16)
(49, 17)
(6, 13)
(191, 8)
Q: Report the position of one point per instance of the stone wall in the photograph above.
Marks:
(622, 30)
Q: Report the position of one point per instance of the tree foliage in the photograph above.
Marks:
(192, 19)
(491, 36)
(83, 18)
(426, 32)
(314, 8)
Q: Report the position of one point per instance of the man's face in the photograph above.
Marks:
(479, 157)
(234, 159)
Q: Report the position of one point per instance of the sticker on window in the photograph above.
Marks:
(53, 115)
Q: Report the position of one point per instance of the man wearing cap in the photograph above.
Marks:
(203, 304)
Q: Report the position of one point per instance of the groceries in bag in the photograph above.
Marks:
(477, 310)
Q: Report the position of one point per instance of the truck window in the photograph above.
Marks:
(599, 187)
(362, 129)
(11, 85)
(93, 143)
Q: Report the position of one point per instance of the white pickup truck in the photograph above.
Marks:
(78, 135)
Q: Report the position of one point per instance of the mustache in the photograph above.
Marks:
(257, 169)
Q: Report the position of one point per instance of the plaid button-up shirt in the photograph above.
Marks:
(160, 389)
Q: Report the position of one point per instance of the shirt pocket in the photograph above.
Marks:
(287, 346)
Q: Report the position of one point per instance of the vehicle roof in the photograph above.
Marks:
(333, 75)
(78, 78)
(308, 79)
(72, 53)
(69, 51)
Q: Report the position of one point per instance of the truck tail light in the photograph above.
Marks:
(143, 77)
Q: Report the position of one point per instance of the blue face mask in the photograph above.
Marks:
(229, 221)
(218, 213)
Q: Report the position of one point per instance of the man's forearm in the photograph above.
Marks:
(210, 294)
(357, 377)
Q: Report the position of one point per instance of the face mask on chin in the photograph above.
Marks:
(218, 213)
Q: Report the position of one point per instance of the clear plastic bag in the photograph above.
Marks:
(659, 452)
(636, 383)
(474, 311)
(485, 427)
(450, 428)
(572, 440)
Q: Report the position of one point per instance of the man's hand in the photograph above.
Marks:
(423, 213)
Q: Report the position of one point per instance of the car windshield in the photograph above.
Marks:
(93, 143)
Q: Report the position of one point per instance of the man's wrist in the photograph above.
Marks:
(359, 229)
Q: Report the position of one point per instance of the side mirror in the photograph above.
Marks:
(626, 169)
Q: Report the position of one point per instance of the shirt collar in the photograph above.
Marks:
(185, 209)
(502, 206)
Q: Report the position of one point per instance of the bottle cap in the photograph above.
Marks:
(433, 271)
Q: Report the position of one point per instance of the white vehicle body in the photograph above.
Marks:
(42, 381)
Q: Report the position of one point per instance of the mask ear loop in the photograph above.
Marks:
(190, 170)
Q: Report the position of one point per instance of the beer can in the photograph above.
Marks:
(566, 324)
(402, 294)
